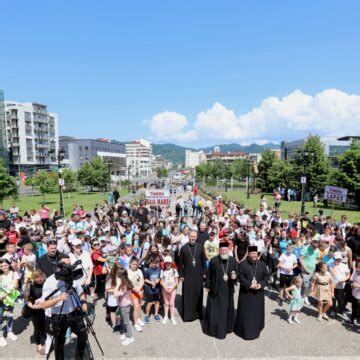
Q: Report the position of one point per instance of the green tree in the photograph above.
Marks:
(162, 172)
(348, 173)
(312, 157)
(85, 175)
(94, 173)
(281, 174)
(8, 186)
(45, 182)
(69, 177)
(239, 168)
(267, 160)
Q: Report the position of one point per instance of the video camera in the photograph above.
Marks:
(69, 273)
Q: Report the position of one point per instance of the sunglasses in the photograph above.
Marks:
(96, 244)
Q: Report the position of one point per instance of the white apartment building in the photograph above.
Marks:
(31, 131)
(138, 158)
(194, 158)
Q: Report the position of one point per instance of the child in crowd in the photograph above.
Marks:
(152, 287)
(137, 279)
(112, 302)
(355, 295)
(322, 288)
(287, 264)
(294, 293)
(124, 287)
(169, 281)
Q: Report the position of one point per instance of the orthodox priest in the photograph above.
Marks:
(192, 268)
(253, 277)
(220, 282)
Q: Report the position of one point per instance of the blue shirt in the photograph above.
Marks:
(152, 274)
(283, 244)
(297, 251)
(329, 261)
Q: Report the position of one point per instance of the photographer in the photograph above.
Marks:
(64, 306)
(47, 263)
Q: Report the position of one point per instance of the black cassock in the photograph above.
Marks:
(250, 318)
(219, 314)
(192, 267)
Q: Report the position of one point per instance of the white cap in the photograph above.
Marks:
(338, 255)
(76, 242)
(168, 259)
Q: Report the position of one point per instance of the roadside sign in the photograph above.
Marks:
(335, 193)
(61, 182)
(158, 197)
(303, 180)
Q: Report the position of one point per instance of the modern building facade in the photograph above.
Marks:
(3, 145)
(333, 146)
(194, 158)
(31, 132)
(138, 158)
(79, 151)
(227, 157)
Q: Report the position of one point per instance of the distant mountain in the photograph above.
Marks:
(171, 152)
(176, 153)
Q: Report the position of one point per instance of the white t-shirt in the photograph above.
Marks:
(169, 277)
(86, 264)
(339, 272)
(136, 277)
(259, 243)
(31, 258)
(184, 239)
(70, 304)
(287, 261)
(111, 300)
(242, 219)
(8, 281)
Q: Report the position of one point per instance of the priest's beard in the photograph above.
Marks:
(224, 256)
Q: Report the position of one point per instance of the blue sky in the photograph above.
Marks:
(189, 72)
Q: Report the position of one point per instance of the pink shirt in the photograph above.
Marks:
(124, 297)
(44, 214)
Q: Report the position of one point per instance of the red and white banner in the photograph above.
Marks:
(158, 197)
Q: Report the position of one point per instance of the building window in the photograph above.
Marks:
(86, 148)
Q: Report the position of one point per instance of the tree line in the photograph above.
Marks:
(310, 160)
(92, 174)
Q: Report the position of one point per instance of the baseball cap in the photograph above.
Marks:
(76, 242)
(337, 255)
(168, 259)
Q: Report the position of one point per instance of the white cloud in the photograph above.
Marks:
(170, 125)
(328, 113)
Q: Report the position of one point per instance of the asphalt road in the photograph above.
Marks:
(310, 339)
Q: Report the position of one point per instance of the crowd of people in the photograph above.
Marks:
(134, 257)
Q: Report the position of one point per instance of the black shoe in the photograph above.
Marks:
(281, 302)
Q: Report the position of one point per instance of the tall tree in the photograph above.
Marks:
(239, 168)
(281, 174)
(348, 173)
(8, 186)
(94, 173)
(69, 177)
(311, 157)
(267, 160)
(44, 182)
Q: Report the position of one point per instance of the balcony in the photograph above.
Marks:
(41, 146)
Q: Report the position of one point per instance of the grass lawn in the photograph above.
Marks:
(239, 196)
(88, 200)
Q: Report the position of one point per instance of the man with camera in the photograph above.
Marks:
(66, 306)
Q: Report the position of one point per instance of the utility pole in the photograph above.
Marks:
(248, 179)
(306, 155)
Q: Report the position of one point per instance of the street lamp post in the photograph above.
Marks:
(248, 178)
(128, 173)
(109, 163)
(60, 157)
(306, 155)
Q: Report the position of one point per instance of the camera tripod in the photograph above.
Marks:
(81, 315)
